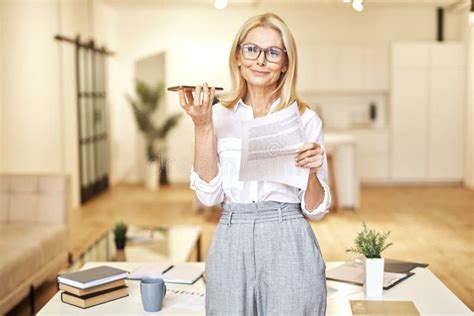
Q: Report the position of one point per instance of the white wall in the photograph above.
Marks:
(197, 43)
(31, 106)
(38, 127)
(151, 70)
(469, 158)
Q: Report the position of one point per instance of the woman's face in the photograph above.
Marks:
(260, 72)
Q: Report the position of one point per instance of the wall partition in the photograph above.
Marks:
(92, 117)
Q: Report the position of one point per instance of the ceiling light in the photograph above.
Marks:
(220, 4)
(357, 5)
(346, 1)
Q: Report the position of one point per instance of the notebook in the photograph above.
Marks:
(85, 279)
(149, 270)
(397, 266)
(354, 273)
(183, 274)
(178, 273)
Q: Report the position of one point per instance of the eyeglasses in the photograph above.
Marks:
(272, 54)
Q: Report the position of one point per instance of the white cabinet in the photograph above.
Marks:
(427, 93)
(445, 124)
(373, 147)
(336, 69)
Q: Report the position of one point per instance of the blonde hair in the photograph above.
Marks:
(286, 84)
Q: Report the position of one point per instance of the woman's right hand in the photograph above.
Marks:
(199, 105)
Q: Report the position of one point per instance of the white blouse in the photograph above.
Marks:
(226, 187)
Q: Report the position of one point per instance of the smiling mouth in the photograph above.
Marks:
(259, 73)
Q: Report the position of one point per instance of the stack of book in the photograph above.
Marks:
(92, 287)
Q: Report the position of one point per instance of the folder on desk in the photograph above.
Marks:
(353, 273)
(399, 266)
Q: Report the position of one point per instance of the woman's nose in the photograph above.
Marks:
(261, 58)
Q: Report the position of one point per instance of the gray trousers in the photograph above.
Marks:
(264, 259)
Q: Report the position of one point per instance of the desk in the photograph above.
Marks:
(428, 293)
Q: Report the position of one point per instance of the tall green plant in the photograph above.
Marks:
(370, 243)
(144, 107)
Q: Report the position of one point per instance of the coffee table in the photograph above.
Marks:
(175, 243)
(428, 293)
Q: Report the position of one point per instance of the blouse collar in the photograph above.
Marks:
(241, 103)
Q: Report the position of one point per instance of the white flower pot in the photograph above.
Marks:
(373, 285)
(153, 175)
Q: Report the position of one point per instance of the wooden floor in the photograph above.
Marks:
(428, 224)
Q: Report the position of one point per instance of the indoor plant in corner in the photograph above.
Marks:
(155, 126)
(370, 244)
(120, 234)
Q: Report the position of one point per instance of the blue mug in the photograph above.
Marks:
(153, 291)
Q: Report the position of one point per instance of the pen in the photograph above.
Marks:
(171, 267)
(204, 277)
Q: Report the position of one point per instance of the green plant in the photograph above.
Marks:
(120, 230)
(370, 243)
(155, 129)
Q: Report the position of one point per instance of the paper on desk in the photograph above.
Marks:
(148, 271)
(183, 273)
(178, 273)
(269, 146)
(182, 299)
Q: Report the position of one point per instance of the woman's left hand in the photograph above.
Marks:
(310, 155)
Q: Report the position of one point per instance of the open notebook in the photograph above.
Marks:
(178, 273)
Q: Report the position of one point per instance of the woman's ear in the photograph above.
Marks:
(237, 59)
(284, 68)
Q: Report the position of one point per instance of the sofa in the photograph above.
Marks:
(34, 233)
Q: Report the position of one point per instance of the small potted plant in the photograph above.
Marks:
(120, 233)
(371, 244)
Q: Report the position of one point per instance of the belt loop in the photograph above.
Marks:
(279, 215)
(230, 219)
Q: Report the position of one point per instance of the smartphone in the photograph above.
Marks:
(176, 88)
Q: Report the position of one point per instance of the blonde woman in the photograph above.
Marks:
(264, 258)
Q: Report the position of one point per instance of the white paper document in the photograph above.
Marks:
(182, 273)
(178, 273)
(182, 299)
(269, 146)
(149, 270)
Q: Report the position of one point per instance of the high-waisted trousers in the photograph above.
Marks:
(264, 259)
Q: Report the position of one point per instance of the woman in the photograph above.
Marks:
(264, 258)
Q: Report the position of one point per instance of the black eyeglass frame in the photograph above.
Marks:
(264, 50)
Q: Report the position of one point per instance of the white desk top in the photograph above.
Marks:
(428, 293)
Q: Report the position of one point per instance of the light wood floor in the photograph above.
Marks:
(428, 224)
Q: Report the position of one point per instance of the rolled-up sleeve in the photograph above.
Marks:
(209, 193)
(314, 133)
